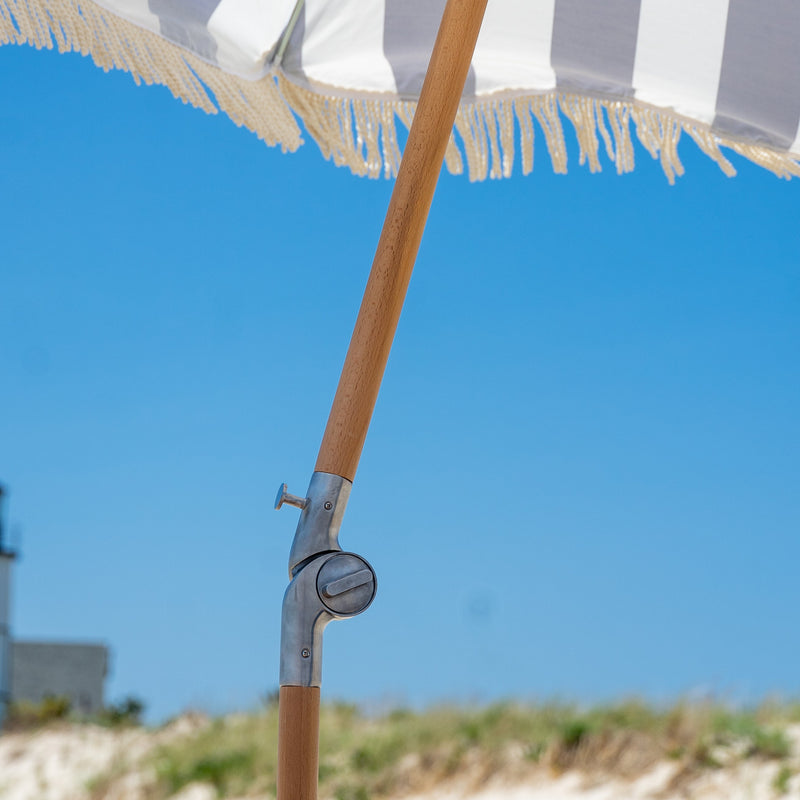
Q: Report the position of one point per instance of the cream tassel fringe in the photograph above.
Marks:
(362, 133)
(114, 43)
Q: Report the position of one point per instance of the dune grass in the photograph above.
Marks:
(363, 756)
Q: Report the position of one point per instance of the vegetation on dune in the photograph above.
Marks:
(364, 756)
(781, 782)
(26, 715)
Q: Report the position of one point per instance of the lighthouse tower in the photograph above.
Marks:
(6, 557)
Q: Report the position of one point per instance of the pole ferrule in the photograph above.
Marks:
(321, 517)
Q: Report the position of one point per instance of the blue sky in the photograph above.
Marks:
(582, 476)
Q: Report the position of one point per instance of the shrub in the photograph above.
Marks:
(574, 732)
(25, 714)
(127, 712)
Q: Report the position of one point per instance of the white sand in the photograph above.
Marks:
(59, 763)
(754, 781)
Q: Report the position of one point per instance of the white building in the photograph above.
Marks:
(74, 671)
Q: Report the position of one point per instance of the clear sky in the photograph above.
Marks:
(582, 475)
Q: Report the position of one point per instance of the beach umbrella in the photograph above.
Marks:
(479, 83)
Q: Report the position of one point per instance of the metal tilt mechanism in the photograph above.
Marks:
(327, 583)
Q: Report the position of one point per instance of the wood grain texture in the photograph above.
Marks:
(402, 231)
(298, 743)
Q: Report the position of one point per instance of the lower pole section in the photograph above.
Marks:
(298, 743)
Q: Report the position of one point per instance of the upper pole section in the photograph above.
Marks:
(402, 231)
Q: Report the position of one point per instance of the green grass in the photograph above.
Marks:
(763, 740)
(363, 756)
(781, 782)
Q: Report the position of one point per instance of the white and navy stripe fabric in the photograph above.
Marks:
(731, 64)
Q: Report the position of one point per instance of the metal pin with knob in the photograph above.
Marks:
(284, 498)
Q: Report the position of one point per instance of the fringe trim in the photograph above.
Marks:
(361, 133)
(114, 43)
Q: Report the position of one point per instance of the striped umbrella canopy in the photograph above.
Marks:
(724, 72)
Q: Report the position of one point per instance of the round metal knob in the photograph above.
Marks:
(346, 584)
(284, 498)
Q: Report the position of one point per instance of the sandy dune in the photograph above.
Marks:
(60, 764)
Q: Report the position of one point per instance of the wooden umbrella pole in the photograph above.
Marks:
(402, 231)
(298, 727)
(298, 742)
